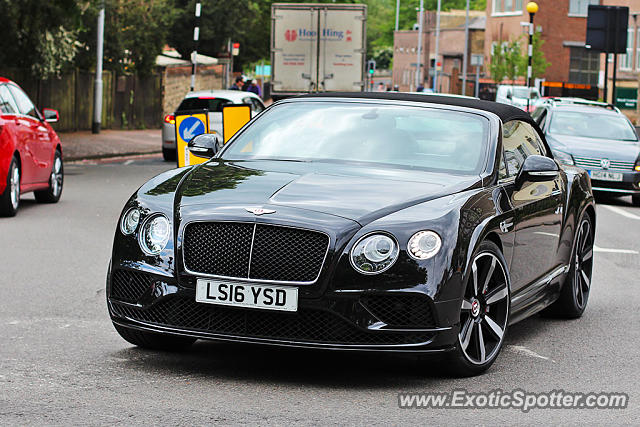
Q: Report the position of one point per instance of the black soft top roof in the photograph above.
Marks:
(504, 111)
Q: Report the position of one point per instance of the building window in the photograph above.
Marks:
(507, 7)
(584, 66)
(626, 60)
(580, 7)
(638, 50)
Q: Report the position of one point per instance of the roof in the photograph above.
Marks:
(172, 58)
(3, 80)
(232, 95)
(503, 111)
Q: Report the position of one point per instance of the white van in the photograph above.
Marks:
(517, 95)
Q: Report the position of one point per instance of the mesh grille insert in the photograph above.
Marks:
(128, 286)
(400, 310)
(278, 254)
(305, 325)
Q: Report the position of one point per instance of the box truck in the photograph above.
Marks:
(317, 47)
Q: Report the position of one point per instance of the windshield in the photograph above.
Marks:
(401, 136)
(214, 105)
(592, 125)
(521, 92)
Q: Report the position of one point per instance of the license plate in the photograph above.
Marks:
(605, 175)
(242, 294)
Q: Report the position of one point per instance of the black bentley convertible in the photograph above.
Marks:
(377, 222)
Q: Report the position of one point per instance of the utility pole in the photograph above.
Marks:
(532, 8)
(194, 54)
(397, 14)
(466, 51)
(97, 90)
(419, 61)
(435, 69)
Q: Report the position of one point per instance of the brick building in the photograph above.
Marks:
(562, 25)
(450, 55)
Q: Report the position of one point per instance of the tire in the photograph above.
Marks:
(56, 181)
(636, 200)
(484, 313)
(574, 294)
(169, 154)
(10, 198)
(153, 341)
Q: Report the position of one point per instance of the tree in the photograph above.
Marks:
(135, 33)
(539, 63)
(497, 63)
(39, 36)
(513, 63)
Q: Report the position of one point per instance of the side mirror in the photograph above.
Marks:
(509, 95)
(205, 145)
(537, 168)
(50, 115)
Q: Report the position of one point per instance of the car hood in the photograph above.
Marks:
(358, 193)
(595, 147)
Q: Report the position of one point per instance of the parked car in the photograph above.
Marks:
(358, 221)
(517, 95)
(597, 137)
(212, 100)
(30, 151)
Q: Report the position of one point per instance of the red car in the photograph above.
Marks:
(30, 151)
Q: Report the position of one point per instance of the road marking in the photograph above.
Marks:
(615, 251)
(621, 212)
(128, 162)
(527, 352)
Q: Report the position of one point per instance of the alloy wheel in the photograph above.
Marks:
(583, 264)
(56, 177)
(485, 309)
(15, 187)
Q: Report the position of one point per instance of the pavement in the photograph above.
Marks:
(109, 143)
(62, 362)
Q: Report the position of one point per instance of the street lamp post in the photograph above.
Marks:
(532, 8)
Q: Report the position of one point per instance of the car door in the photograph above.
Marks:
(8, 112)
(23, 135)
(38, 140)
(538, 209)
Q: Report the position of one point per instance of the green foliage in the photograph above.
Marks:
(134, 34)
(497, 64)
(38, 35)
(539, 63)
(510, 60)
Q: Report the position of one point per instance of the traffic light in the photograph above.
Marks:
(371, 66)
(235, 49)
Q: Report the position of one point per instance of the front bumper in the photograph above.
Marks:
(630, 184)
(348, 321)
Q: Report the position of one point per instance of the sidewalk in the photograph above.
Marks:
(109, 143)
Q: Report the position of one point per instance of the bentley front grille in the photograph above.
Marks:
(254, 251)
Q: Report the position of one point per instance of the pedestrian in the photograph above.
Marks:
(238, 85)
(255, 88)
(381, 87)
(420, 88)
(396, 88)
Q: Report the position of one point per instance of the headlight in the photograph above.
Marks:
(129, 221)
(424, 245)
(562, 157)
(374, 254)
(154, 235)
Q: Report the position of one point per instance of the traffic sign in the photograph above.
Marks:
(189, 125)
(234, 116)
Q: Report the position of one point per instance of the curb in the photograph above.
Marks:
(108, 155)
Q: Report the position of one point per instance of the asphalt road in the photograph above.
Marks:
(61, 361)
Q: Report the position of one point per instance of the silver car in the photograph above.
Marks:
(212, 100)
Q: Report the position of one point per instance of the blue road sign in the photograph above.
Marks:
(190, 127)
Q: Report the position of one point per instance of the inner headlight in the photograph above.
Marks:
(374, 254)
(562, 157)
(424, 244)
(154, 235)
(129, 221)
